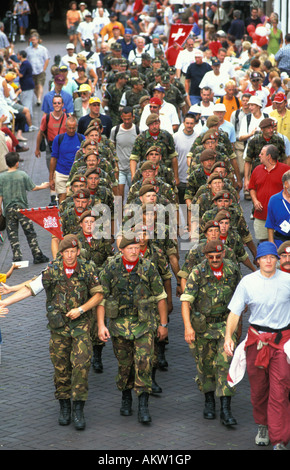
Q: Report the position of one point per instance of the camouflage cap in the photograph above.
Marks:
(222, 195)
(284, 248)
(214, 176)
(128, 239)
(148, 165)
(221, 215)
(82, 194)
(136, 81)
(116, 46)
(165, 78)
(212, 121)
(210, 224)
(146, 188)
(207, 155)
(69, 241)
(152, 118)
(133, 65)
(146, 56)
(214, 246)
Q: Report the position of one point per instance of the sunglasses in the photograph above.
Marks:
(212, 257)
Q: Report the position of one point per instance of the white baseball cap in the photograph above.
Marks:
(219, 107)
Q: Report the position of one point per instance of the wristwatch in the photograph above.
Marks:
(165, 325)
(81, 310)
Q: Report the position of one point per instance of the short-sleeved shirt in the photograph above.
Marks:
(13, 188)
(37, 56)
(267, 299)
(278, 212)
(52, 127)
(65, 151)
(26, 82)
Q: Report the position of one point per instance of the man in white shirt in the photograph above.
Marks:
(184, 140)
(87, 30)
(215, 79)
(185, 58)
(169, 119)
(136, 54)
(70, 49)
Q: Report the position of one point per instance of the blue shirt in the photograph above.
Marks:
(283, 57)
(268, 299)
(68, 104)
(65, 151)
(278, 212)
(26, 82)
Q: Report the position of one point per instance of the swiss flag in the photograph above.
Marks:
(47, 217)
(179, 33)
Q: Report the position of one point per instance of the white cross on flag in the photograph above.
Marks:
(179, 33)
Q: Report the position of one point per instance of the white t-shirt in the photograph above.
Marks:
(217, 83)
(183, 143)
(168, 117)
(268, 299)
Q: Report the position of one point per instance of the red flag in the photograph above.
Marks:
(179, 33)
(47, 217)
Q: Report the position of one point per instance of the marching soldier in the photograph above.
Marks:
(132, 287)
(208, 291)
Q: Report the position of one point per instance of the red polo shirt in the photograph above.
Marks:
(266, 184)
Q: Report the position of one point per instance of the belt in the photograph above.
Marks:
(266, 329)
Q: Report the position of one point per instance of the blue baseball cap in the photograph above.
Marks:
(267, 248)
(128, 31)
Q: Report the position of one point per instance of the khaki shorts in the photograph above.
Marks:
(39, 79)
(261, 233)
(60, 181)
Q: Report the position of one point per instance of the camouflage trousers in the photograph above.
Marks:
(13, 219)
(71, 358)
(134, 362)
(212, 362)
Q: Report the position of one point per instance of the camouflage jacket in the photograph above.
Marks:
(127, 289)
(223, 142)
(165, 173)
(144, 141)
(238, 221)
(207, 294)
(163, 189)
(65, 293)
(204, 200)
(132, 98)
(195, 256)
(97, 250)
(157, 257)
(257, 142)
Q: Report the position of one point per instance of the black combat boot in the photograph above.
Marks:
(126, 405)
(162, 362)
(226, 415)
(155, 387)
(143, 412)
(209, 406)
(78, 415)
(65, 412)
(97, 359)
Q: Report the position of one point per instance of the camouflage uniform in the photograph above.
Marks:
(164, 189)
(238, 221)
(114, 94)
(257, 142)
(144, 141)
(221, 156)
(165, 173)
(196, 255)
(132, 98)
(205, 202)
(209, 297)
(13, 218)
(228, 186)
(70, 343)
(123, 292)
(223, 142)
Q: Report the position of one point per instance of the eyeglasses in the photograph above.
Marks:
(212, 257)
(57, 102)
(95, 104)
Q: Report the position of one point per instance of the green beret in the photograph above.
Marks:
(152, 118)
(128, 239)
(221, 215)
(214, 246)
(82, 194)
(210, 224)
(146, 189)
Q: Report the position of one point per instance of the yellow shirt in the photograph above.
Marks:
(2, 279)
(231, 106)
(283, 126)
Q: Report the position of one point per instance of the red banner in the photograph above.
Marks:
(179, 33)
(47, 217)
